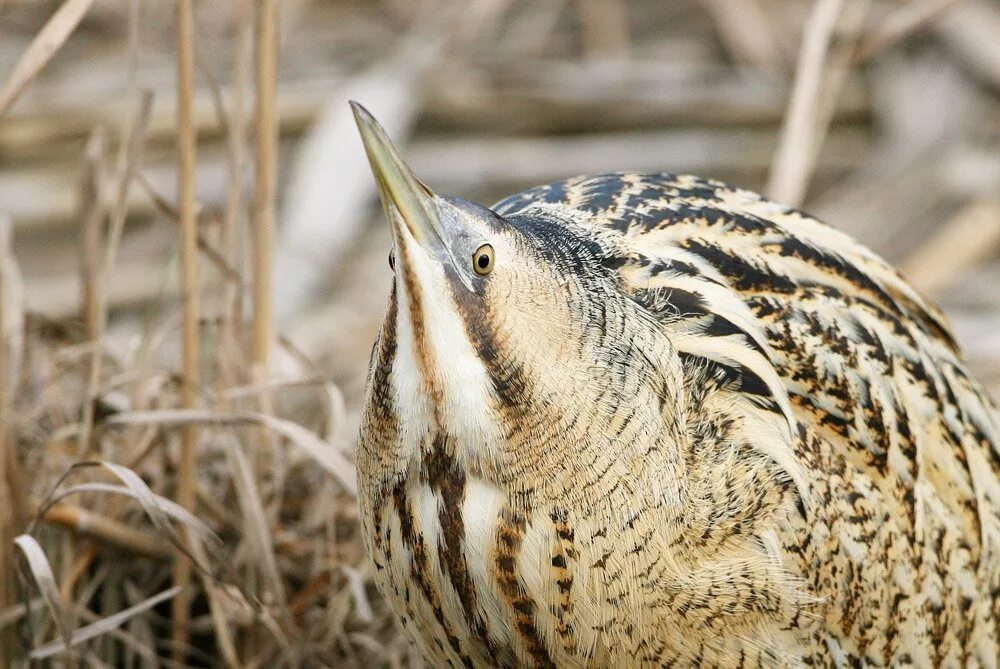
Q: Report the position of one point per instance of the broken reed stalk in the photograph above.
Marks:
(186, 157)
(266, 62)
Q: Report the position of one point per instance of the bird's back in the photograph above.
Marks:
(894, 449)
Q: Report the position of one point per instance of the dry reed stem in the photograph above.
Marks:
(6, 520)
(41, 50)
(91, 215)
(8, 529)
(265, 186)
(838, 67)
(78, 568)
(789, 173)
(12, 614)
(96, 275)
(130, 155)
(266, 77)
(108, 530)
(186, 153)
(160, 510)
(234, 213)
(11, 351)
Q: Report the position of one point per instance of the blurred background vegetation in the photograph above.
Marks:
(881, 117)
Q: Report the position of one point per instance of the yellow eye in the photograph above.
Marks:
(482, 260)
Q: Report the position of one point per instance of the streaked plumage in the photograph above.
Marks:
(677, 425)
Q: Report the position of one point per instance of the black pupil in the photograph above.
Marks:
(483, 261)
(392, 261)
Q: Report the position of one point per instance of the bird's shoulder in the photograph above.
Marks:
(697, 251)
(763, 246)
(892, 444)
(775, 306)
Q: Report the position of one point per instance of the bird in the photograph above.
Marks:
(655, 420)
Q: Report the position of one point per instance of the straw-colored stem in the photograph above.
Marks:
(265, 174)
(43, 47)
(849, 30)
(129, 158)
(266, 63)
(233, 234)
(789, 176)
(186, 151)
(78, 568)
(108, 530)
(230, 342)
(7, 529)
(91, 218)
(13, 511)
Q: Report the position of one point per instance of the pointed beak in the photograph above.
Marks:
(397, 186)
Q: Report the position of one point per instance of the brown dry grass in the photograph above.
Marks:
(220, 526)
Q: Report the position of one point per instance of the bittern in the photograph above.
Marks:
(654, 420)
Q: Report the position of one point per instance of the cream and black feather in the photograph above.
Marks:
(675, 425)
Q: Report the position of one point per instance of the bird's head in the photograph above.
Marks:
(507, 348)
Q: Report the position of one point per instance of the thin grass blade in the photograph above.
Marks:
(41, 571)
(102, 626)
(255, 518)
(323, 452)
